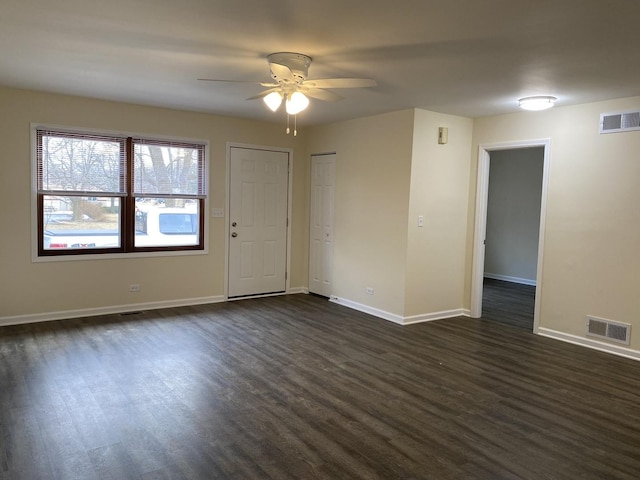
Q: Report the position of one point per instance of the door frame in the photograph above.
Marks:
(227, 223)
(480, 230)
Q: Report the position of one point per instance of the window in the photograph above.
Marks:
(116, 194)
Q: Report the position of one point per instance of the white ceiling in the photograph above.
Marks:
(465, 57)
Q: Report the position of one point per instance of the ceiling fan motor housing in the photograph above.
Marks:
(298, 63)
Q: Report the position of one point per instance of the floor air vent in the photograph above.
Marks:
(619, 122)
(608, 330)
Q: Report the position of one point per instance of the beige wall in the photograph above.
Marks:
(439, 192)
(373, 167)
(28, 288)
(389, 170)
(591, 249)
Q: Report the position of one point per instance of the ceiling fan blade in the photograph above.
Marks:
(263, 94)
(340, 83)
(229, 81)
(321, 94)
(255, 82)
(282, 72)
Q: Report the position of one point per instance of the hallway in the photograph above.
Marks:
(508, 303)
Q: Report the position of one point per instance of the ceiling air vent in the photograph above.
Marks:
(608, 330)
(619, 122)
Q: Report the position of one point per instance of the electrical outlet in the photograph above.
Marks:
(134, 287)
(369, 290)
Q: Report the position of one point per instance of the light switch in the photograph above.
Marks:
(420, 221)
(217, 212)
(443, 135)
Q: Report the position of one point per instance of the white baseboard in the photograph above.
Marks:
(367, 309)
(429, 317)
(295, 290)
(133, 307)
(589, 343)
(506, 278)
(392, 317)
(93, 312)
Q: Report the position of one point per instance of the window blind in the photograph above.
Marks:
(78, 163)
(168, 169)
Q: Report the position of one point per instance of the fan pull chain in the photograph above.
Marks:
(288, 129)
(295, 125)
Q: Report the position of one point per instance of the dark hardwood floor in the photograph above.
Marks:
(295, 387)
(509, 303)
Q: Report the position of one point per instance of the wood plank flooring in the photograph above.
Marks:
(295, 387)
(509, 303)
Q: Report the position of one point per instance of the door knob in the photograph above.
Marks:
(234, 234)
(234, 224)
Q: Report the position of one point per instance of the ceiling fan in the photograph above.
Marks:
(289, 72)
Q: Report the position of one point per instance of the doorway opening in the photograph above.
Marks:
(509, 232)
(508, 303)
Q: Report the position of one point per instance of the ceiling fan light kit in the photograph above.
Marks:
(296, 103)
(273, 101)
(289, 71)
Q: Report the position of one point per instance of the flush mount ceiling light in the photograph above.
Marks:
(537, 103)
(290, 83)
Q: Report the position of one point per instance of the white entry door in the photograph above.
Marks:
(258, 196)
(323, 168)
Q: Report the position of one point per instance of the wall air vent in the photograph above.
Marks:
(608, 330)
(619, 122)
